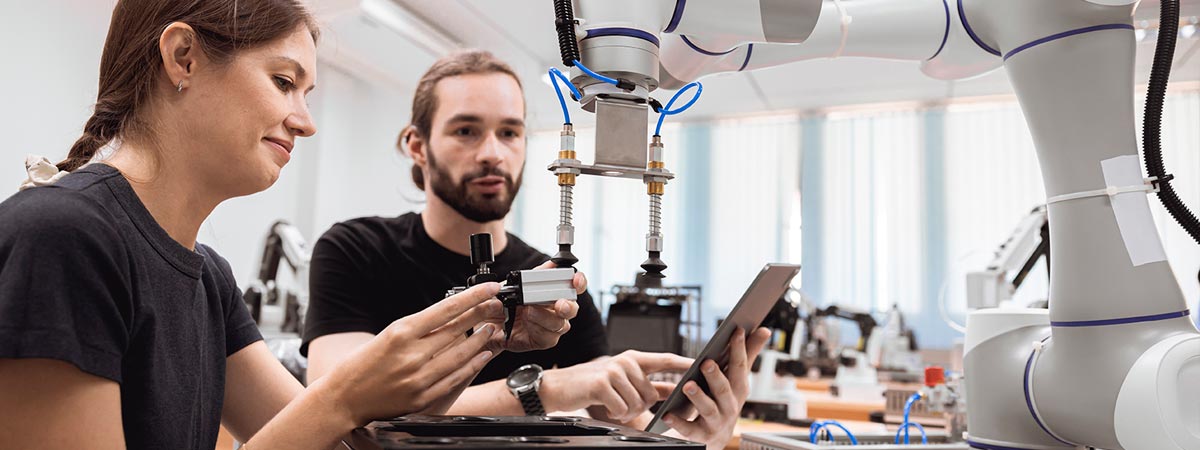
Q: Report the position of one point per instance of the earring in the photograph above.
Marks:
(180, 88)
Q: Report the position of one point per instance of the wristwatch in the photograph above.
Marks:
(524, 383)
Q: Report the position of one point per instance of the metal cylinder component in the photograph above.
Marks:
(656, 150)
(566, 179)
(566, 234)
(655, 188)
(481, 251)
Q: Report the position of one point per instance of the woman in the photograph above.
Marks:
(118, 330)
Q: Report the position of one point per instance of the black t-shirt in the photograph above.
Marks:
(88, 277)
(368, 272)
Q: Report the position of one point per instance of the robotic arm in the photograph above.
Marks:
(990, 287)
(284, 244)
(1116, 357)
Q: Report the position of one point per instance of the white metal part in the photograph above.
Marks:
(989, 323)
(1158, 407)
(547, 285)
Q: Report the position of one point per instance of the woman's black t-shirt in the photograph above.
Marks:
(88, 277)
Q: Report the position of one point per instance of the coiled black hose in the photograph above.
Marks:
(1160, 73)
(564, 23)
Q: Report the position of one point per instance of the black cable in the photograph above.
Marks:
(1160, 73)
(564, 23)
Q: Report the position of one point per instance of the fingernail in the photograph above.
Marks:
(487, 354)
(691, 390)
(489, 329)
(708, 367)
(668, 419)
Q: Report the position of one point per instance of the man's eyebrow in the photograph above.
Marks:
(471, 118)
(513, 122)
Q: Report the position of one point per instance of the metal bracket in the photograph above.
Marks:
(609, 171)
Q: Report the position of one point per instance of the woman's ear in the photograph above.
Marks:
(181, 54)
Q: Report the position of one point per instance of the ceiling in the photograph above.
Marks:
(522, 33)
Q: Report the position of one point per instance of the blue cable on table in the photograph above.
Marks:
(555, 76)
(816, 427)
(667, 111)
(905, 427)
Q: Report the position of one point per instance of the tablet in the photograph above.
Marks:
(768, 287)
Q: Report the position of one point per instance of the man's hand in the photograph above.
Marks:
(539, 327)
(718, 414)
(616, 388)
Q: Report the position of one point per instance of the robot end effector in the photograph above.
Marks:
(520, 287)
(620, 40)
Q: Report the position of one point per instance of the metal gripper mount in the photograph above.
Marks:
(620, 153)
(656, 180)
(566, 185)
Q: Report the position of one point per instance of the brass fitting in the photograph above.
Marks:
(655, 188)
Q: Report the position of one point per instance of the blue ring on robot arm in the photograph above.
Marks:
(1029, 399)
(680, 5)
(621, 31)
(1121, 321)
(749, 51)
(946, 33)
(962, 16)
(1069, 33)
(703, 51)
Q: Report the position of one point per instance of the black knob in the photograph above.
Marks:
(564, 258)
(654, 265)
(481, 249)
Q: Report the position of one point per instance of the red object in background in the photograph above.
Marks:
(934, 375)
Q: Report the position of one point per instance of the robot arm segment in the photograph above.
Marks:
(912, 30)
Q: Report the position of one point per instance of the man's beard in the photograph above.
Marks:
(480, 208)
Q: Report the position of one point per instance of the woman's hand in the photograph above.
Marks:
(420, 362)
(717, 415)
(539, 327)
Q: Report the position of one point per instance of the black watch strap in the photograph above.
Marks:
(531, 403)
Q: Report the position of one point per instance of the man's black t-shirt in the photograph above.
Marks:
(89, 278)
(368, 272)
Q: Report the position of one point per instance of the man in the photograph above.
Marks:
(467, 142)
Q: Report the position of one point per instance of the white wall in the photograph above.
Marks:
(48, 71)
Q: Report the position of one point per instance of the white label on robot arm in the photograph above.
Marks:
(1132, 210)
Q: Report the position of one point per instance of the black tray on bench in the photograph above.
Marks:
(515, 432)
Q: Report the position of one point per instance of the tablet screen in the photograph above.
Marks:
(770, 284)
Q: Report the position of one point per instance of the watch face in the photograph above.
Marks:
(523, 377)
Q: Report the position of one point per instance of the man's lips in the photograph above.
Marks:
(490, 184)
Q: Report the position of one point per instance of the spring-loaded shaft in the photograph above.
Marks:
(566, 184)
(565, 201)
(655, 214)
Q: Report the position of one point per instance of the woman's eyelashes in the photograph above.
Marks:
(284, 84)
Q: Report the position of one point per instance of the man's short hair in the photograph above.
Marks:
(425, 102)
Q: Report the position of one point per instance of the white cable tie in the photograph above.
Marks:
(1148, 187)
(845, 23)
